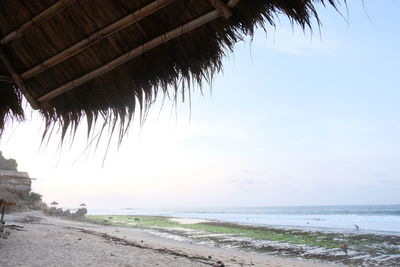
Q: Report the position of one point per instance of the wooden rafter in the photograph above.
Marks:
(37, 21)
(136, 52)
(97, 36)
(17, 79)
(221, 7)
(7, 79)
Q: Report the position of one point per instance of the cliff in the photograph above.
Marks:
(15, 182)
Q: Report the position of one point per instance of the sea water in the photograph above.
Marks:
(374, 218)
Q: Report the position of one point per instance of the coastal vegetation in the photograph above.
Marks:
(33, 197)
(7, 164)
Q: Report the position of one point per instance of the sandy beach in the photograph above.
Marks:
(51, 241)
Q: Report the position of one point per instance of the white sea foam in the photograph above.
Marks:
(380, 219)
(188, 220)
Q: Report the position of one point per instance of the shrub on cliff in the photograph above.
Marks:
(7, 164)
(33, 197)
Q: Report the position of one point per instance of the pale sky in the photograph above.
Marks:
(295, 119)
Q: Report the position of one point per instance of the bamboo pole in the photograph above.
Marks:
(232, 3)
(135, 52)
(97, 36)
(37, 21)
(3, 208)
(7, 79)
(18, 81)
(221, 7)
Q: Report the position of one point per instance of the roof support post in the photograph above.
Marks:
(221, 7)
(135, 52)
(97, 36)
(36, 21)
(17, 79)
(3, 209)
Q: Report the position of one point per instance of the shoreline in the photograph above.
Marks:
(53, 241)
(332, 230)
(364, 248)
(371, 219)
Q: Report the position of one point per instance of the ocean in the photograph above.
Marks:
(381, 219)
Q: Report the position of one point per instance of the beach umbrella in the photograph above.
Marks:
(7, 198)
(112, 58)
(82, 205)
(54, 203)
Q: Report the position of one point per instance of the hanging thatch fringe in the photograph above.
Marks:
(18, 81)
(10, 104)
(177, 44)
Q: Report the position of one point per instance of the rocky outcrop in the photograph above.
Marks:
(7, 164)
(15, 182)
(19, 184)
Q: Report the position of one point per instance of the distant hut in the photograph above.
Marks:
(112, 58)
(16, 182)
(6, 199)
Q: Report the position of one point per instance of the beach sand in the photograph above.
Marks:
(51, 241)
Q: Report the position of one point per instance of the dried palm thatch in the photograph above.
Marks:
(88, 59)
(7, 198)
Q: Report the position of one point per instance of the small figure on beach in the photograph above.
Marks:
(344, 247)
(357, 228)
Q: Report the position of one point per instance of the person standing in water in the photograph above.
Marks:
(344, 247)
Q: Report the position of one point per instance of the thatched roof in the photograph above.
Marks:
(7, 198)
(77, 59)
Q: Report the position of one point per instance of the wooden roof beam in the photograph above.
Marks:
(18, 81)
(232, 3)
(97, 36)
(221, 7)
(7, 79)
(37, 20)
(135, 52)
